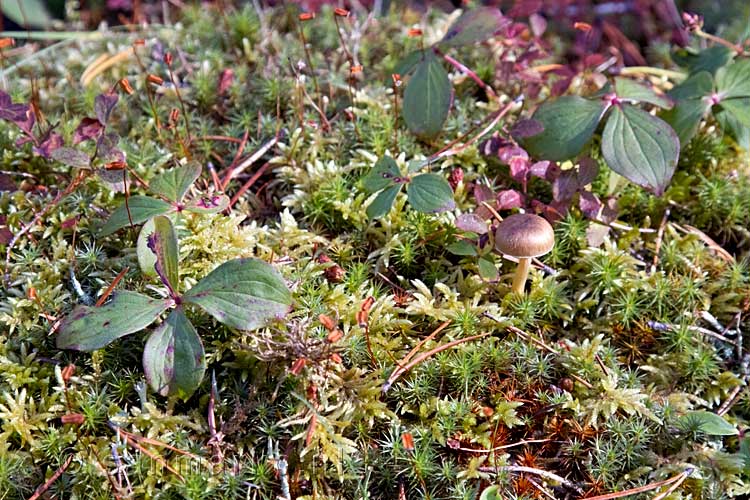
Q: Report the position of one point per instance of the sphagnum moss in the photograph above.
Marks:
(592, 378)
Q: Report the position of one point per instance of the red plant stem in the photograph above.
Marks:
(248, 184)
(234, 171)
(111, 287)
(468, 72)
(220, 138)
(54, 477)
(679, 477)
(308, 57)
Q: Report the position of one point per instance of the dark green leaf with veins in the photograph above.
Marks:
(734, 80)
(430, 193)
(173, 359)
(734, 128)
(163, 244)
(693, 102)
(708, 60)
(242, 293)
(383, 202)
(142, 208)
(642, 148)
(89, 328)
(569, 122)
(381, 175)
(406, 65)
(474, 26)
(174, 183)
(427, 98)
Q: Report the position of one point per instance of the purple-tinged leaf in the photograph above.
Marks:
(71, 157)
(7, 184)
(510, 198)
(51, 143)
(162, 243)
(6, 235)
(565, 186)
(474, 26)
(104, 104)
(242, 294)
(88, 129)
(114, 179)
(483, 193)
(546, 170)
(589, 204)
(526, 128)
(538, 24)
(471, 223)
(107, 148)
(173, 358)
(90, 328)
(506, 153)
(519, 168)
(588, 169)
(208, 204)
(5, 100)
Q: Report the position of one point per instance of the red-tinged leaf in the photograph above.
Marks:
(483, 193)
(5, 234)
(565, 186)
(104, 104)
(88, 129)
(526, 128)
(7, 184)
(546, 170)
(471, 223)
(226, 79)
(588, 169)
(508, 152)
(519, 168)
(510, 198)
(71, 157)
(589, 204)
(51, 143)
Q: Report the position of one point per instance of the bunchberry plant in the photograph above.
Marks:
(426, 192)
(428, 93)
(637, 145)
(241, 293)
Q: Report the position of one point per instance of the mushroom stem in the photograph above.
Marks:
(522, 271)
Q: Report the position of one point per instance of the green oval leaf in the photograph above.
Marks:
(462, 247)
(174, 183)
(173, 359)
(474, 26)
(739, 108)
(487, 268)
(90, 328)
(628, 89)
(430, 193)
(709, 59)
(33, 14)
(381, 175)
(569, 122)
(162, 243)
(142, 208)
(427, 98)
(711, 423)
(734, 80)
(691, 107)
(491, 493)
(383, 202)
(242, 293)
(640, 147)
(734, 128)
(406, 65)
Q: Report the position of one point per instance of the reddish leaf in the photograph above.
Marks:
(104, 104)
(546, 170)
(7, 184)
(5, 234)
(588, 169)
(519, 168)
(565, 186)
(590, 204)
(51, 143)
(526, 128)
(510, 198)
(89, 128)
(226, 79)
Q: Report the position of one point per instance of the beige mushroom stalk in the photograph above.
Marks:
(524, 236)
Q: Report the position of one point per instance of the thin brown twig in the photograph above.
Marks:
(401, 370)
(648, 487)
(247, 185)
(54, 477)
(111, 287)
(537, 472)
(234, 171)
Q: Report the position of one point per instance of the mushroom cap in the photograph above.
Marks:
(524, 236)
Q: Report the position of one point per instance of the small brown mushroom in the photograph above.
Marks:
(524, 236)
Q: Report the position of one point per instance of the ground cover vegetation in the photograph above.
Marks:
(256, 252)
